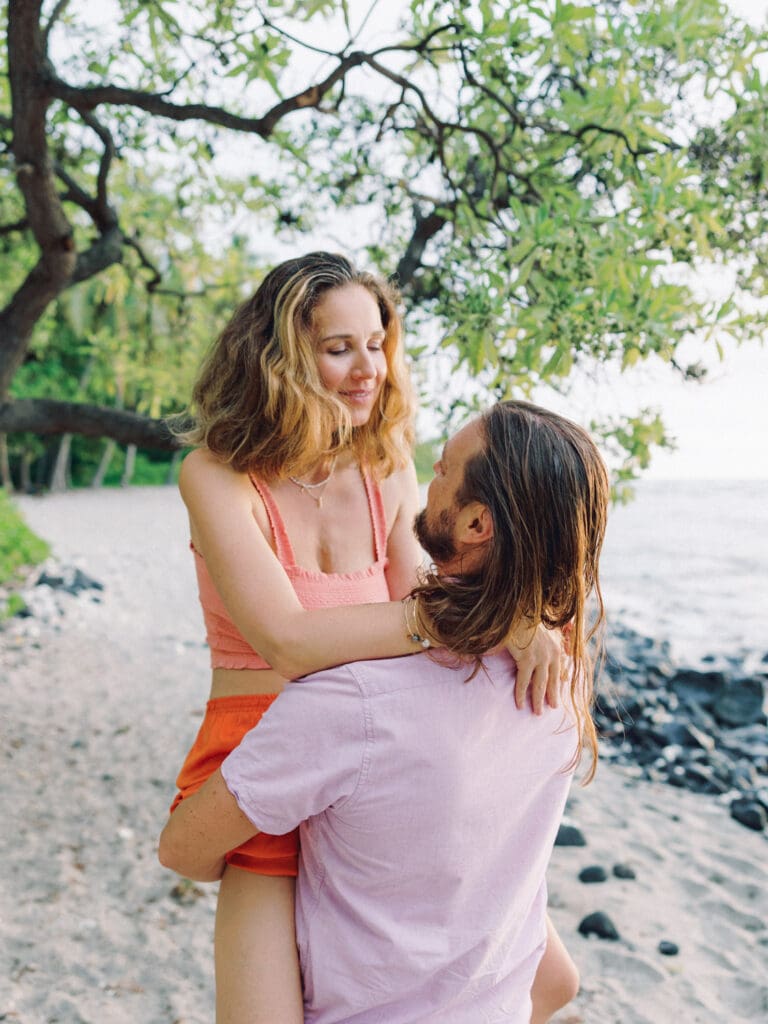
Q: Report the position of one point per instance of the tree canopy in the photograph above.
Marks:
(538, 177)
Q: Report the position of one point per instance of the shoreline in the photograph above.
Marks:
(99, 706)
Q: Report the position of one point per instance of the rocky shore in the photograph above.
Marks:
(697, 728)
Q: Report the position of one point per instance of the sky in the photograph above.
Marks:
(720, 426)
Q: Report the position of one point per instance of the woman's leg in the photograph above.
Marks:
(557, 979)
(258, 980)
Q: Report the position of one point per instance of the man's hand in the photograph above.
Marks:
(539, 661)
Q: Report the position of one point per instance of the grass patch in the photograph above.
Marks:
(19, 546)
(13, 606)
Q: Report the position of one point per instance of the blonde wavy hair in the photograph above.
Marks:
(259, 403)
(546, 487)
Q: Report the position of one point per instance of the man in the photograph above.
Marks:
(428, 802)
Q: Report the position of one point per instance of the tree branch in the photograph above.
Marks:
(105, 252)
(87, 98)
(145, 261)
(617, 132)
(514, 115)
(426, 227)
(37, 183)
(443, 126)
(56, 13)
(47, 416)
(104, 164)
(267, 23)
(19, 225)
(102, 215)
(90, 97)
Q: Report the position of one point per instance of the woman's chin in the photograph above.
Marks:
(359, 413)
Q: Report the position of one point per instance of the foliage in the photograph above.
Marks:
(544, 179)
(151, 468)
(19, 546)
(13, 606)
(425, 457)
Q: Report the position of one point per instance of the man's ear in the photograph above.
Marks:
(475, 525)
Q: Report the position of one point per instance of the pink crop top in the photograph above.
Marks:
(229, 649)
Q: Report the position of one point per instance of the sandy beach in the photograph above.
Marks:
(101, 699)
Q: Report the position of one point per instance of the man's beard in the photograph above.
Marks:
(437, 540)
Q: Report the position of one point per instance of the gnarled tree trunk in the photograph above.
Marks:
(6, 480)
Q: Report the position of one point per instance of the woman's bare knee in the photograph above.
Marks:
(557, 979)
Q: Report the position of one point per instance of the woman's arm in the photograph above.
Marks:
(262, 602)
(202, 829)
(257, 592)
(403, 550)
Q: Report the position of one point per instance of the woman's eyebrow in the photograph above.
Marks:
(346, 335)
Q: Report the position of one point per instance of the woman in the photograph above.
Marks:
(301, 498)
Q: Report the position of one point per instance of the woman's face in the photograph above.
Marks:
(349, 344)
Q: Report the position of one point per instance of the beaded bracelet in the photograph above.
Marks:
(410, 627)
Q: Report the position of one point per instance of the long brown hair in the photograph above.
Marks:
(259, 403)
(546, 488)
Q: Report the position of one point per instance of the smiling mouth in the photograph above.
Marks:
(357, 394)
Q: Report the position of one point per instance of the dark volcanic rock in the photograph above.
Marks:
(750, 741)
(69, 579)
(685, 735)
(701, 778)
(623, 871)
(594, 873)
(599, 924)
(750, 813)
(668, 948)
(742, 702)
(694, 687)
(693, 728)
(570, 835)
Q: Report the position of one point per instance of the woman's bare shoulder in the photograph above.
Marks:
(200, 457)
(401, 486)
(400, 492)
(400, 481)
(201, 469)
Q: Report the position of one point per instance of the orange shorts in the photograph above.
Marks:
(226, 721)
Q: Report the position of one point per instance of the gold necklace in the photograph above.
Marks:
(309, 488)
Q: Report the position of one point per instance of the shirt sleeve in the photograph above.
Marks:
(306, 754)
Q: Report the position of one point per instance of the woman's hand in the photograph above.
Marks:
(539, 659)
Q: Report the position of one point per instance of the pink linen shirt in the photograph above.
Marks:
(428, 808)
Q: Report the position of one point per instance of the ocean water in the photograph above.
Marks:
(687, 562)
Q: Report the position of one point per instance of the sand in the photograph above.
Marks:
(98, 708)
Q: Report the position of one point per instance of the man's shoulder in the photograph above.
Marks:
(359, 674)
(380, 676)
(427, 669)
